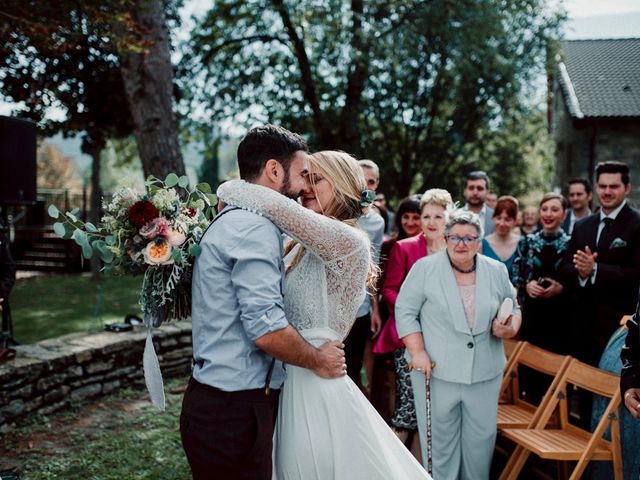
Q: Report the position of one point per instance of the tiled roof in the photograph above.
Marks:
(601, 78)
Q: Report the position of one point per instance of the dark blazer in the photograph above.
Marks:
(630, 355)
(601, 305)
(567, 221)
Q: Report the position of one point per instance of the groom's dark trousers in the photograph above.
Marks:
(228, 435)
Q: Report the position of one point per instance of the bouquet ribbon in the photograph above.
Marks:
(152, 373)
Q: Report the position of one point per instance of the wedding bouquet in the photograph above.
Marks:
(155, 233)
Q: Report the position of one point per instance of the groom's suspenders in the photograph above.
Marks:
(273, 360)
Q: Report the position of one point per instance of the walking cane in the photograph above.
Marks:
(427, 382)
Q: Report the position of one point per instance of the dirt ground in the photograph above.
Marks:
(52, 436)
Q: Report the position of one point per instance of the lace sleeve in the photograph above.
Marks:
(328, 238)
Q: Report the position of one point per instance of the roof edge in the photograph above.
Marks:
(573, 103)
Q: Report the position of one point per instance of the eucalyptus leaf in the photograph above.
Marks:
(87, 251)
(171, 180)
(60, 229)
(177, 255)
(75, 211)
(53, 211)
(193, 196)
(194, 250)
(183, 181)
(90, 227)
(107, 256)
(204, 187)
(110, 240)
(100, 245)
(81, 238)
(72, 217)
(213, 200)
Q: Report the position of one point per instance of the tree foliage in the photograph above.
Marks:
(410, 84)
(84, 58)
(55, 170)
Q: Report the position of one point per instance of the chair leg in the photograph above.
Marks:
(579, 470)
(515, 464)
(563, 469)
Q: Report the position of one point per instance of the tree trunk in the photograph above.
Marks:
(148, 80)
(358, 73)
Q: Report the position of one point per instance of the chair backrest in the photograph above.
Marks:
(589, 378)
(592, 379)
(511, 347)
(536, 358)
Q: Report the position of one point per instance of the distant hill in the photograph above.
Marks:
(70, 148)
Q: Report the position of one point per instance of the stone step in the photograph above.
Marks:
(44, 255)
(41, 265)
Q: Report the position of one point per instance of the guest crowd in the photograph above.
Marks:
(571, 272)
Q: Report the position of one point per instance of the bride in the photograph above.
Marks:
(326, 428)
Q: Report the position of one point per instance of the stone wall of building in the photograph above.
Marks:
(49, 375)
(608, 140)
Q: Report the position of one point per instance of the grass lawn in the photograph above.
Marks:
(120, 437)
(53, 305)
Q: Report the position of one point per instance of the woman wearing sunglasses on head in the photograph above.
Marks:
(447, 315)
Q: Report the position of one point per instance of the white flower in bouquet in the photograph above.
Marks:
(167, 201)
(175, 237)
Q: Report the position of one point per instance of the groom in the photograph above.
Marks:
(239, 324)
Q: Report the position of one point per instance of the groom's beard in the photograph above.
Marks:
(285, 189)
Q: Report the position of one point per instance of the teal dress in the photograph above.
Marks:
(489, 252)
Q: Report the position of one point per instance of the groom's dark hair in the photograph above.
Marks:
(263, 143)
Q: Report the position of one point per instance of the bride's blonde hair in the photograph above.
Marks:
(346, 178)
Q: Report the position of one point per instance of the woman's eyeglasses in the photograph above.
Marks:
(455, 239)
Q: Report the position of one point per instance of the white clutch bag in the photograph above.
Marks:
(506, 309)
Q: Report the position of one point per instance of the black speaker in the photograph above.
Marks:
(17, 161)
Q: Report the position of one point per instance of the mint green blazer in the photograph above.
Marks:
(429, 302)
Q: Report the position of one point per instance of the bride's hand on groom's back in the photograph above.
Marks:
(331, 360)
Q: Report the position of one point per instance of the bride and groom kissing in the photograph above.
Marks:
(263, 311)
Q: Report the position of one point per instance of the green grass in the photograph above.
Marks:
(53, 305)
(123, 437)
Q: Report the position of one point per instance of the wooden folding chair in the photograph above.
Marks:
(570, 442)
(519, 413)
(511, 349)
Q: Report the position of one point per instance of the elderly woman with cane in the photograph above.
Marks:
(452, 312)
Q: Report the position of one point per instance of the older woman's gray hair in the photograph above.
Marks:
(463, 217)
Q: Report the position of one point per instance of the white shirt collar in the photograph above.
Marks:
(614, 213)
(483, 210)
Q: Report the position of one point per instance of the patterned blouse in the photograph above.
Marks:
(539, 254)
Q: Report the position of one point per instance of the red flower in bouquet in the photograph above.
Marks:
(142, 212)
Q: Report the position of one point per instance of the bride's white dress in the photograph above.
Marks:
(326, 428)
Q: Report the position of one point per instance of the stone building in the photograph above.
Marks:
(595, 108)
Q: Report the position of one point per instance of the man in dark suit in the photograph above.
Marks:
(604, 260)
(580, 195)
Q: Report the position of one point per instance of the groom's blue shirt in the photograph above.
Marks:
(237, 298)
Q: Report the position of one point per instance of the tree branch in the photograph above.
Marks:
(206, 58)
(308, 85)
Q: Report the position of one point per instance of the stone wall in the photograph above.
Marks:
(49, 375)
(593, 140)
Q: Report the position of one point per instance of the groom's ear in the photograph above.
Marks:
(273, 171)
